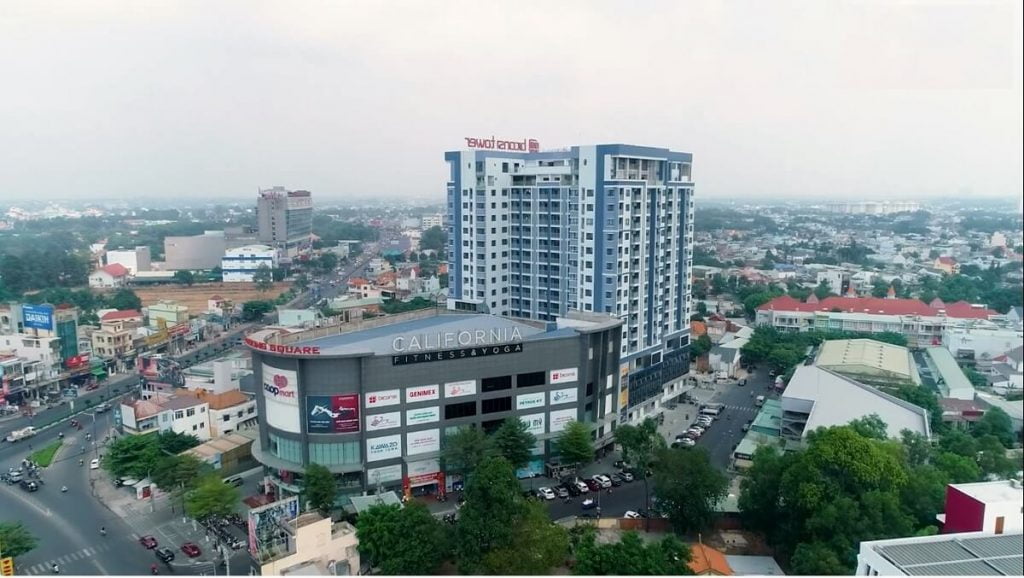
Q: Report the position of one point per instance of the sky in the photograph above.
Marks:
(774, 99)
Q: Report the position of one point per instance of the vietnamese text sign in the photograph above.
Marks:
(422, 415)
(421, 442)
(561, 418)
(386, 474)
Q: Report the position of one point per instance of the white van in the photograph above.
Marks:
(711, 411)
(759, 401)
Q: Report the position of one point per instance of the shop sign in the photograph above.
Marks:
(567, 395)
(529, 400)
(460, 388)
(384, 448)
(453, 354)
(291, 350)
(422, 415)
(376, 476)
(563, 375)
(529, 145)
(383, 398)
(280, 385)
(424, 467)
(534, 423)
(455, 339)
(421, 442)
(561, 418)
(382, 421)
(422, 393)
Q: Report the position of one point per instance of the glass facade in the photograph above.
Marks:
(288, 450)
(335, 454)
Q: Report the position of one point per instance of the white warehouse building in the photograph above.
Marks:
(241, 263)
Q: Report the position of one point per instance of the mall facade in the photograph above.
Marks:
(373, 401)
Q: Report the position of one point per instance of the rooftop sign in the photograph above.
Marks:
(529, 145)
(448, 339)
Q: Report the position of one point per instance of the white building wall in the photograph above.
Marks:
(990, 341)
(197, 424)
(234, 415)
(240, 264)
(135, 260)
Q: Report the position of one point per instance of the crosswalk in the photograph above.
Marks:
(46, 567)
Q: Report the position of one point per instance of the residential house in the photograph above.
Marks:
(947, 265)
(185, 414)
(229, 411)
(109, 276)
(706, 561)
(312, 546)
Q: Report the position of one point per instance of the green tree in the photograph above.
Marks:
(688, 488)
(433, 239)
(177, 471)
(464, 450)
(574, 445)
(995, 422)
(15, 539)
(632, 556)
(211, 497)
(123, 300)
(702, 309)
(263, 278)
(817, 559)
(870, 426)
(174, 443)
(514, 442)
(134, 456)
(536, 545)
(640, 447)
(823, 290)
(255, 310)
(402, 540)
(992, 458)
(958, 469)
(701, 346)
(319, 488)
(185, 277)
(487, 519)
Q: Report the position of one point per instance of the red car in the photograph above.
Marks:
(148, 541)
(92, 386)
(593, 485)
(190, 550)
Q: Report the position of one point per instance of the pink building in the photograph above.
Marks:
(995, 507)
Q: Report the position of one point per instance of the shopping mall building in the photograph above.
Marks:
(373, 401)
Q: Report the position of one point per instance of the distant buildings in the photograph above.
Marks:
(242, 263)
(874, 207)
(194, 252)
(984, 507)
(967, 554)
(428, 221)
(285, 220)
(109, 276)
(134, 260)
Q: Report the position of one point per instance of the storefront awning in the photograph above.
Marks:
(98, 371)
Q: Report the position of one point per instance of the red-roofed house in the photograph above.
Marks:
(113, 275)
(947, 265)
(921, 324)
(124, 315)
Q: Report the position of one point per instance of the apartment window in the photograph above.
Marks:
(226, 417)
(178, 414)
(497, 405)
(590, 388)
(530, 379)
(457, 410)
(496, 383)
(190, 411)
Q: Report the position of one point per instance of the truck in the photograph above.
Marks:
(20, 434)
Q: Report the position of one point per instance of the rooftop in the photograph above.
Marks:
(874, 355)
(954, 382)
(960, 309)
(125, 314)
(968, 554)
(115, 270)
(705, 559)
(993, 492)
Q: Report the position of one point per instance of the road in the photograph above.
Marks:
(726, 433)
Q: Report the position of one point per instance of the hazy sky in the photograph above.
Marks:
(215, 98)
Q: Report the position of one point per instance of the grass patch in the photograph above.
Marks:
(44, 457)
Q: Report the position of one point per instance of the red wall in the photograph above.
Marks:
(963, 513)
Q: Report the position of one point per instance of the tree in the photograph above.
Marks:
(823, 290)
(302, 282)
(632, 556)
(263, 278)
(574, 444)
(701, 346)
(514, 442)
(177, 472)
(123, 300)
(402, 540)
(433, 239)
(688, 488)
(184, 277)
(255, 310)
(870, 426)
(464, 450)
(319, 488)
(995, 422)
(702, 309)
(535, 548)
(488, 517)
(174, 443)
(211, 497)
(992, 458)
(135, 456)
(817, 558)
(640, 446)
(15, 539)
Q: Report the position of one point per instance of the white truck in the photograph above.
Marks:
(20, 434)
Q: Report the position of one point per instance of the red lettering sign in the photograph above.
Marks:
(282, 349)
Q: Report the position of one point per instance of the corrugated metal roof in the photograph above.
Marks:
(1001, 555)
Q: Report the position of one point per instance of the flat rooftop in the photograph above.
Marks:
(993, 492)
(956, 555)
(883, 357)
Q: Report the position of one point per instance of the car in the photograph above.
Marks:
(149, 542)
(191, 550)
(103, 407)
(626, 476)
(695, 432)
(616, 480)
(29, 486)
(705, 420)
(593, 485)
(235, 481)
(583, 488)
(631, 515)
(546, 493)
(92, 386)
(621, 464)
(742, 382)
(698, 428)
(686, 442)
(603, 480)
(165, 554)
(128, 481)
(94, 464)
(572, 488)
(561, 492)
(588, 504)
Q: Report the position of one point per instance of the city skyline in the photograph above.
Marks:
(782, 101)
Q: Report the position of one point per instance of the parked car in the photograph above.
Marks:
(616, 480)
(148, 542)
(582, 487)
(626, 476)
(165, 554)
(546, 493)
(686, 442)
(588, 504)
(29, 486)
(102, 407)
(630, 514)
(572, 488)
(561, 492)
(191, 550)
(94, 464)
(695, 432)
(603, 480)
(593, 485)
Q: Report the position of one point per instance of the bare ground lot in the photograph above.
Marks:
(196, 296)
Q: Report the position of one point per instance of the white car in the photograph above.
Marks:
(94, 464)
(602, 479)
(582, 487)
(546, 493)
(631, 515)
(686, 442)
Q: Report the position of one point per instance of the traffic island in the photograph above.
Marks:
(45, 456)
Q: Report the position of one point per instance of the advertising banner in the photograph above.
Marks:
(268, 524)
(280, 385)
(563, 375)
(561, 418)
(568, 395)
(332, 413)
(529, 400)
(421, 442)
(422, 415)
(422, 393)
(534, 423)
(383, 398)
(382, 421)
(37, 317)
(460, 388)
(376, 476)
(384, 448)
(76, 361)
(424, 467)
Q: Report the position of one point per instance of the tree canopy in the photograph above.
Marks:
(400, 540)
(514, 442)
(574, 445)
(433, 239)
(15, 539)
(464, 450)
(632, 556)
(211, 497)
(319, 488)
(489, 515)
(688, 487)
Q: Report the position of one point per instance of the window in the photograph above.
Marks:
(190, 411)
(530, 379)
(497, 404)
(457, 410)
(286, 449)
(590, 388)
(178, 414)
(495, 383)
(226, 418)
(335, 454)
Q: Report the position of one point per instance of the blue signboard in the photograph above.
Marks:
(37, 317)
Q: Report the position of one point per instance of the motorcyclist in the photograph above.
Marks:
(56, 569)
(152, 569)
(103, 531)
(81, 462)
(63, 488)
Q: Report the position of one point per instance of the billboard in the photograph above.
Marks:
(382, 421)
(280, 385)
(566, 375)
(422, 393)
(460, 388)
(421, 442)
(266, 526)
(383, 398)
(422, 415)
(561, 418)
(386, 474)
(568, 395)
(384, 448)
(529, 400)
(424, 468)
(534, 423)
(37, 317)
(332, 413)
